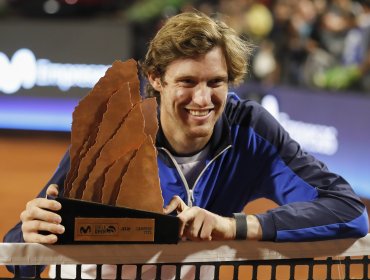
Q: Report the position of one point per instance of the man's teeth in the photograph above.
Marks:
(197, 113)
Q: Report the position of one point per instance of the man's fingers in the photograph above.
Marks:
(44, 204)
(186, 218)
(194, 228)
(207, 229)
(36, 226)
(31, 231)
(177, 204)
(197, 223)
(39, 238)
(52, 190)
(36, 213)
(39, 217)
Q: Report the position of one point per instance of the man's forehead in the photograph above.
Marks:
(211, 64)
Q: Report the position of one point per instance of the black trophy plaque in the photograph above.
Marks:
(89, 222)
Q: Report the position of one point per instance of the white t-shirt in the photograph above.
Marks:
(191, 166)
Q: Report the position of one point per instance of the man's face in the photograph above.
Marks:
(193, 96)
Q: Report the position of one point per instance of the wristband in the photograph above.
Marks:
(241, 226)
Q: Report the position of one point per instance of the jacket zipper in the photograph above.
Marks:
(204, 169)
(190, 192)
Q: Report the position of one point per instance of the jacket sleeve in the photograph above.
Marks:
(315, 204)
(15, 234)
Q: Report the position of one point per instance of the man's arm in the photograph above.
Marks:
(199, 224)
(15, 235)
(37, 217)
(315, 203)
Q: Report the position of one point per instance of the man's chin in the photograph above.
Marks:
(199, 133)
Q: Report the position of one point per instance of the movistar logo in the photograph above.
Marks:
(23, 70)
(85, 230)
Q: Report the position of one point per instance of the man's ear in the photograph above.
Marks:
(155, 82)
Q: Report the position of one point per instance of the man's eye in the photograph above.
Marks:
(216, 82)
(187, 82)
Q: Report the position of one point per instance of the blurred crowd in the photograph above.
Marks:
(321, 44)
(310, 43)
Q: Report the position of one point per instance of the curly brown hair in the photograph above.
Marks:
(192, 34)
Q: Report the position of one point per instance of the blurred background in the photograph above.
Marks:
(310, 69)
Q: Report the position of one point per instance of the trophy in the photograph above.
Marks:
(112, 191)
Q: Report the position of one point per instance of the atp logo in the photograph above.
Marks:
(23, 70)
(111, 229)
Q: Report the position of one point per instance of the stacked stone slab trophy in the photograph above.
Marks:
(113, 160)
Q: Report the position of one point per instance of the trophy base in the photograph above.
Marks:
(93, 223)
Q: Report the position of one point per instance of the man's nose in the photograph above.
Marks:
(202, 95)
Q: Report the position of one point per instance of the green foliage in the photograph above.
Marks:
(146, 10)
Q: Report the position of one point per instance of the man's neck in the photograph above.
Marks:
(183, 145)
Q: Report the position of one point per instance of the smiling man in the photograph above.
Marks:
(216, 152)
(193, 97)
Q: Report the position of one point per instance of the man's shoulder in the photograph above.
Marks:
(234, 99)
(239, 110)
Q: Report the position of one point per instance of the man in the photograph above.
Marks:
(216, 152)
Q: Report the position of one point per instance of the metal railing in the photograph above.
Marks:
(334, 259)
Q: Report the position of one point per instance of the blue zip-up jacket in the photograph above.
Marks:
(251, 157)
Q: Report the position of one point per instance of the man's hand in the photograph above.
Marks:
(38, 217)
(199, 224)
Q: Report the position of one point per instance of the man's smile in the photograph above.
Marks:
(199, 112)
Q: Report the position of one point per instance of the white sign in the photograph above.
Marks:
(23, 70)
(315, 138)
